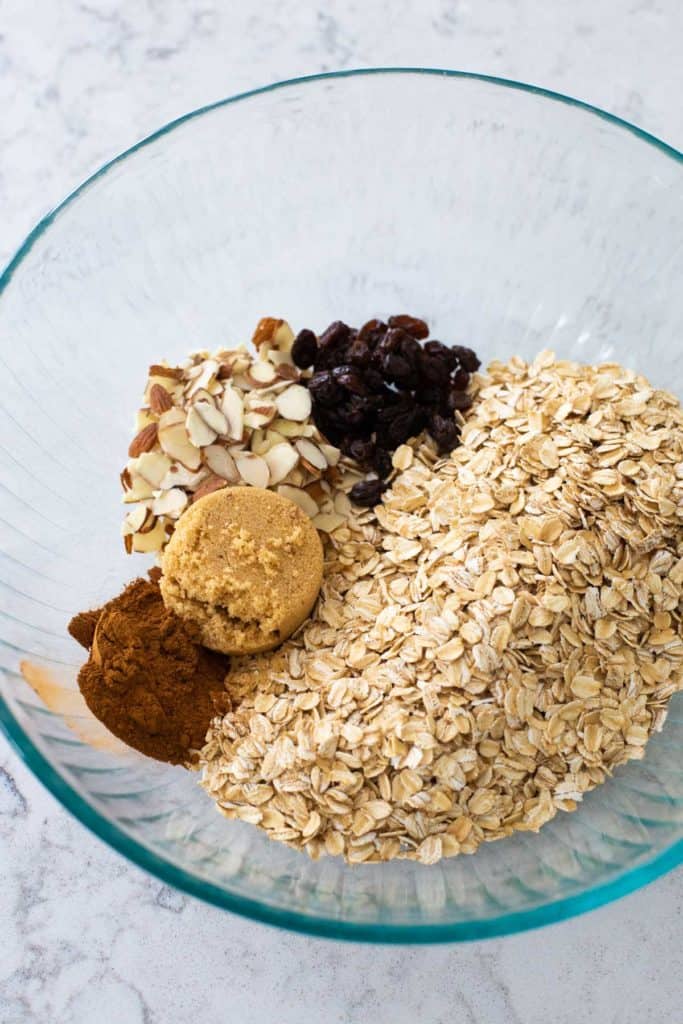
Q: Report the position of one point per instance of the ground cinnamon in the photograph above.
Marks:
(148, 679)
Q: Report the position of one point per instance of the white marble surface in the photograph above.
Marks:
(87, 937)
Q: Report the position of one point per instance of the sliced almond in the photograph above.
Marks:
(149, 522)
(298, 476)
(175, 441)
(151, 466)
(265, 330)
(169, 384)
(208, 486)
(274, 437)
(257, 442)
(199, 431)
(232, 407)
(332, 454)
(328, 522)
(161, 370)
(259, 416)
(159, 399)
(143, 418)
(311, 454)
(134, 519)
(143, 441)
(300, 498)
(287, 428)
(178, 476)
(281, 460)
(202, 395)
(283, 337)
(212, 416)
(221, 463)
(152, 541)
(283, 362)
(253, 469)
(170, 418)
(170, 503)
(242, 382)
(342, 504)
(208, 371)
(294, 403)
(139, 490)
(261, 374)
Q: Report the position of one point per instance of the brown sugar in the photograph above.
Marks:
(246, 566)
(148, 679)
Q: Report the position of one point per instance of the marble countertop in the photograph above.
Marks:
(87, 936)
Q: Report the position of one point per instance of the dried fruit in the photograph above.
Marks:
(304, 349)
(367, 493)
(374, 389)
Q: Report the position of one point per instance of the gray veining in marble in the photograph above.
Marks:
(87, 937)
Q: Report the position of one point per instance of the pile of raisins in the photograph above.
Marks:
(374, 388)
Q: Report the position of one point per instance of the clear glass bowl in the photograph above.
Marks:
(512, 219)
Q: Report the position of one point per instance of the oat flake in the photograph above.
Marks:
(489, 644)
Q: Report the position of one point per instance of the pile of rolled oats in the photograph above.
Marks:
(226, 418)
(489, 644)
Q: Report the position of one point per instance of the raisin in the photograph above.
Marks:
(445, 432)
(414, 326)
(433, 368)
(399, 422)
(432, 395)
(324, 388)
(349, 378)
(372, 330)
(398, 370)
(335, 336)
(375, 388)
(382, 463)
(467, 358)
(359, 353)
(438, 350)
(304, 349)
(332, 346)
(367, 493)
(461, 380)
(410, 350)
(355, 412)
(458, 399)
(362, 451)
(329, 426)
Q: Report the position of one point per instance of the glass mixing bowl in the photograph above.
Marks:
(512, 219)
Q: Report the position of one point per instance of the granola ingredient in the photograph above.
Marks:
(488, 646)
(231, 417)
(147, 677)
(245, 565)
(375, 388)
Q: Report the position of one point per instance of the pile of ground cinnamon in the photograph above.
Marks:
(148, 679)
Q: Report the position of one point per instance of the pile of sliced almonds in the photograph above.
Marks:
(224, 419)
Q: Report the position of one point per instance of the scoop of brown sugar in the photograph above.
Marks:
(246, 565)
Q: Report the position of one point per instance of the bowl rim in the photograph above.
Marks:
(460, 931)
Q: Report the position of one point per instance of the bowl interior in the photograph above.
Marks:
(511, 221)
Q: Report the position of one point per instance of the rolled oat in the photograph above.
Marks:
(488, 646)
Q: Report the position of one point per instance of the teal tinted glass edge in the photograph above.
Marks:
(504, 924)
